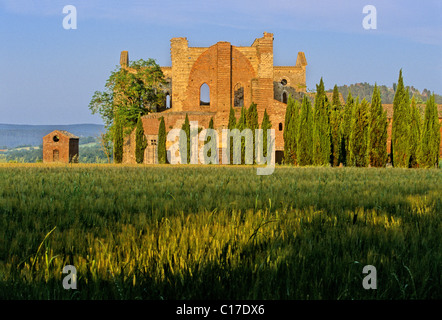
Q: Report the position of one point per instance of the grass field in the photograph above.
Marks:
(218, 232)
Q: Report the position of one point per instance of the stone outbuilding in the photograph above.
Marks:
(60, 146)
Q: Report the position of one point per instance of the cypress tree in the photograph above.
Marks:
(377, 131)
(162, 153)
(208, 137)
(185, 144)
(430, 138)
(415, 133)
(305, 134)
(241, 125)
(321, 128)
(287, 134)
(400, 128)
(359, 135)
(291, 131)
(335, 128)
(252, 122)
(118, 141)
(266, 124)
(346, 129)
(335, 100)
(231, 125)
(140, 141)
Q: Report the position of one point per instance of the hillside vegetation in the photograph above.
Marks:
(365, 91)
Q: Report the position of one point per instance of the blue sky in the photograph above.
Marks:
(48, 74)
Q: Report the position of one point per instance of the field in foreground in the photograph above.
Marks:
(193, 232)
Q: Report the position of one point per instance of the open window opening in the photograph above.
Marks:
(284, 97)
(238, 100)
(204, 95)
(168, 101)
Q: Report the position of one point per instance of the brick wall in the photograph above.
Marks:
(64, 149)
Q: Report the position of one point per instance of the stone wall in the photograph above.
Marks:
(57, 147)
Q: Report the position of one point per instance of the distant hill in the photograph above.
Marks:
(13, 135)
(365, 90)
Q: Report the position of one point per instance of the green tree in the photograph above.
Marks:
(305, 134)
(321, 128)
(292, 129)
(129, 92)
(359, 135)
(140, 141)
(209, 138)
(346, 128)
(430, 137)
(252, 122)
(118, 142)
(287, 134)
(377, 131)
(265, 125)
(241, 125)
(415, 133)
(231, 125)
(162, 153)
(400, 135)
(336, 102)
(185, 145)
(336, 128)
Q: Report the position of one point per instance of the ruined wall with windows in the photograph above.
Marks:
(205, 82)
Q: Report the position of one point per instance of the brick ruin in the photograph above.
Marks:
(205, 82)
(60, 146)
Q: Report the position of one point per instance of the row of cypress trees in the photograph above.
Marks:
(355, 134)
(248, 120)
(415, 141)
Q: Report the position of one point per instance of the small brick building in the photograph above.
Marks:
(60, 146)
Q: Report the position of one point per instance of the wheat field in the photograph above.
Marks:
(219, 232)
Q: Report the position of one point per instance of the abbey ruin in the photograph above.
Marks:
(205, 83)
(232, 76)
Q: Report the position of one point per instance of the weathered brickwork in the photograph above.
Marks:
(236, 76)
(60, 146)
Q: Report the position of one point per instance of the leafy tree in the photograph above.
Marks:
(118, 141)
(291, 131)
(241, 125)
(185, 145)
(231, 125)
(400, 135)
(336, 102)
(359, 135)
(377, 131)
(321, 128)
(305, 134)
(346, 128)
(106, 145)
(209, 138)
(287, 134)
(335, 128)
(265, 125)
(415, 133)
(129, 92)
(252, 122)
(140, 141)
(162, 153)
(430, 140)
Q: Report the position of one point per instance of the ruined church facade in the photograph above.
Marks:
(205, 83)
